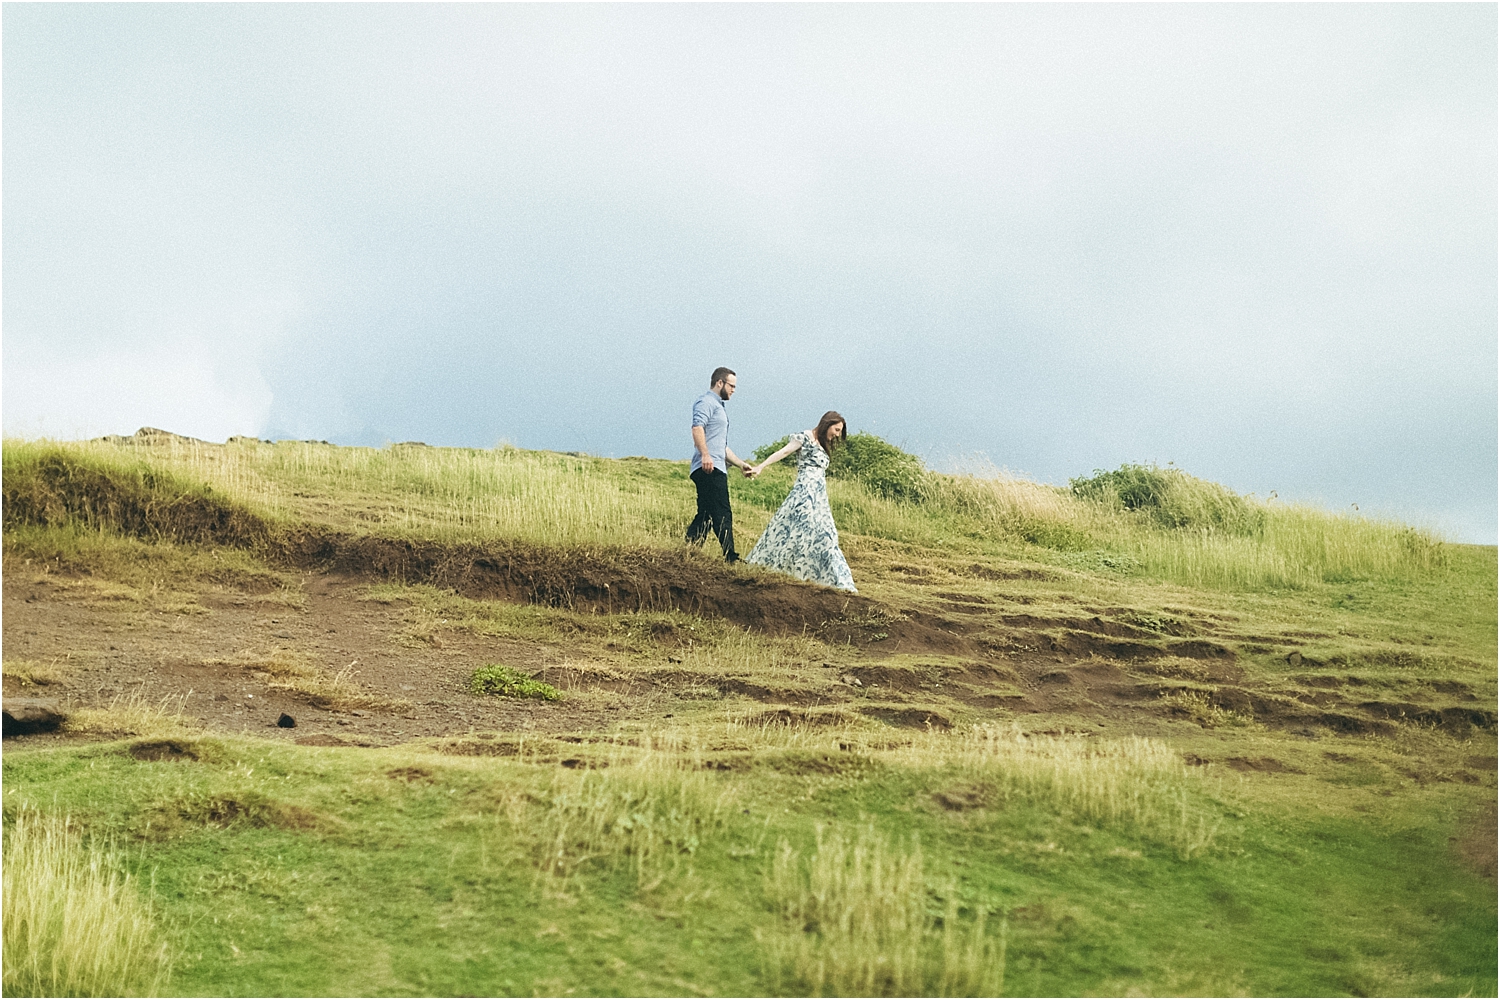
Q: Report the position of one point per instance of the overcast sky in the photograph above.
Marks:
(1256, 240)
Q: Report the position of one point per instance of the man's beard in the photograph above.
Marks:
(724, 395)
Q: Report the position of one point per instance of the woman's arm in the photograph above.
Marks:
(791, 446)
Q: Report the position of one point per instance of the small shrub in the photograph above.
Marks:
(1170, 498)
(508, 682)
(765, 451)
(884, 469)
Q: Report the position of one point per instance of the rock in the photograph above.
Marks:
(155, 435)
(31, 715)
(1294, 658)
(286, 721)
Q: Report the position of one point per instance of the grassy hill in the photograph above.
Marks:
(1135, 735)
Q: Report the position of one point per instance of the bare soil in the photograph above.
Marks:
(113, 650)
(907, 667)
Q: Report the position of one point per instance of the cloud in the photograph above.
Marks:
(1259, 240)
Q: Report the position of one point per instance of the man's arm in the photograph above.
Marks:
(737, 462)
(700, 441)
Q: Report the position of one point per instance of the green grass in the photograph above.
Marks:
(736, 850)
(403, 871)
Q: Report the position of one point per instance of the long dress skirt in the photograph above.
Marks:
(801, 538)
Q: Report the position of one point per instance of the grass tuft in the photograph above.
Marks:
(74, 925)
(132, 715)
(289, 670)
(32, 673)
(1136, 783)
(855, 921)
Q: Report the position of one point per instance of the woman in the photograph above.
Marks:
(801, 539)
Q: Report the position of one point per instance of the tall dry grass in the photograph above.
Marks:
(854, 921)
(1136, 783)
(304, 673)
(550, 498)
(1295, 547)
(74, 925)
(133, 714)
(442, 493)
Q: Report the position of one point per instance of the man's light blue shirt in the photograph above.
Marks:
(710, 414)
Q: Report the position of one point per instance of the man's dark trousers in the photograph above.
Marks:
(713, 511)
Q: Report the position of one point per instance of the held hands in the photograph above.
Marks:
(750, 471)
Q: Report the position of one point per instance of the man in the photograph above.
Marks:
(711, 460)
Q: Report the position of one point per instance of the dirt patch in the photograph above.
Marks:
(203, 666)
(1475, 845)
(960, 798)
(962, 599)
(409, 774)
(249, 810)
(1010, 573)
(1199, 649)
(1455, 719)
(29, 716)
(480, 747)
(909, 718)
(776, 695)
(798, 718)
(895, 678)
(1263, 765)
(325, 740)
(164, 750)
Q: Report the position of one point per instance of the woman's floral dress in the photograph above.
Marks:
(801, 539)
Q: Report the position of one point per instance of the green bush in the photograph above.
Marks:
(1170, 498)
(508, 682)
(765, 451)
(884, 469)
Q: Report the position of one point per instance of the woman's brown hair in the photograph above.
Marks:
(829, 419)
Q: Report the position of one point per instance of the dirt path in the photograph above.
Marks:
(205, 659)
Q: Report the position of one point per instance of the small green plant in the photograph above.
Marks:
(508, 682)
